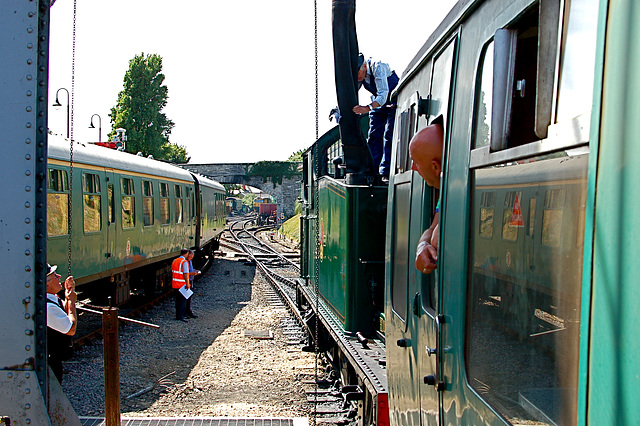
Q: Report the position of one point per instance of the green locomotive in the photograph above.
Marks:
(130, 216)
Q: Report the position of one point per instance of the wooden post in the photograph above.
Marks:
(111, 367)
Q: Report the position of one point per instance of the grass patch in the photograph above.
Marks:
(291, 228)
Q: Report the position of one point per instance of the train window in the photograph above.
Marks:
(128, 203)
(578, 56)
(484, 98)
(91, 202)
(581, 219)
(179, 204)
(524, 299)
(552, 217)
(407, 130)
(147, 202)
(511, 215)
(532, 216)
(487, 204)
(112, 204)
(334, 152)
(165, 213)
(57, 203)
(402, 201)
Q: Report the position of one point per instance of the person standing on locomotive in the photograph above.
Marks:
(425, 150)
(180, 278)
(62, 320)
(380, 80)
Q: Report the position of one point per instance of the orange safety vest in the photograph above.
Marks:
(176, 272)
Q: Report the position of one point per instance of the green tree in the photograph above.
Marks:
(296, 156)
(176, 153)
(139, 109)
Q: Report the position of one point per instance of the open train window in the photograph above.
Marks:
(147, 202)
(128, 203)
(57, 203)
(535, 82)
(179, 204)
(165, 213)
(91, 202)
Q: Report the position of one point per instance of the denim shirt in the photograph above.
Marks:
(378, 73)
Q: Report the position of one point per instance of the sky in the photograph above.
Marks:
(240, 74)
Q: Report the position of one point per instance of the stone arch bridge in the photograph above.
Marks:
(279, 179)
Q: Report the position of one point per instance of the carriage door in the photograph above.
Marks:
(110, 219)
(430, 350)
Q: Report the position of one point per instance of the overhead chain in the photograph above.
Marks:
(72, 101)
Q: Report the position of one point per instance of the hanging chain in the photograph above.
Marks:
(73, 91)
(317, 230)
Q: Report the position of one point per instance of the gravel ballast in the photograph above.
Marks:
(206, 367)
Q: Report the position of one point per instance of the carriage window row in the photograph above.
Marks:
(58, 203)
(516, 214)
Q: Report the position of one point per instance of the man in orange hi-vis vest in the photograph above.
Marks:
(180, 274)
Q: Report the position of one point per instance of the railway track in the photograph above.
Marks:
(330, 405)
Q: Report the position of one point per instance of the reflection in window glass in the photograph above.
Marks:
(483, 120)
(57, 203)
(57, 214)
(112, 204)
(552, 227)
(165, 214)
(128, 204)
(147, 203)
(487, 204)
(91, 202)
(509, 221)
(178, 203)
(532, 215)
(523, 306)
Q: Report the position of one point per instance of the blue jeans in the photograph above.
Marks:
(381, 123)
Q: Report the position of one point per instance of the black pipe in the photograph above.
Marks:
(357, 157)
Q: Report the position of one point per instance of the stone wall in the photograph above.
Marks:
(285, 194)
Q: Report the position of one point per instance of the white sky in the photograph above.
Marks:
(240, 74)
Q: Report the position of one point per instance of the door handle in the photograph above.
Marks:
(416, 304)
(432, 381)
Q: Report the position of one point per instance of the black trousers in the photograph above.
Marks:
(181, 305)
(56, 366)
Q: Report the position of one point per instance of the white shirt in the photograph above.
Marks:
(56, 317)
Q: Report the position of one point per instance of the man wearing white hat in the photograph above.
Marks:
(61, 320)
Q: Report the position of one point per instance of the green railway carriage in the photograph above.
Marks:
(531, 316)
(130, 216)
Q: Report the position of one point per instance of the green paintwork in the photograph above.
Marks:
(612, 380)
(126, 247)
(352, 251)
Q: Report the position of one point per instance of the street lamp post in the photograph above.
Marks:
(91, 126)
(58, 104)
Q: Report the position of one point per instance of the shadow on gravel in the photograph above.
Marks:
(149, 355)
